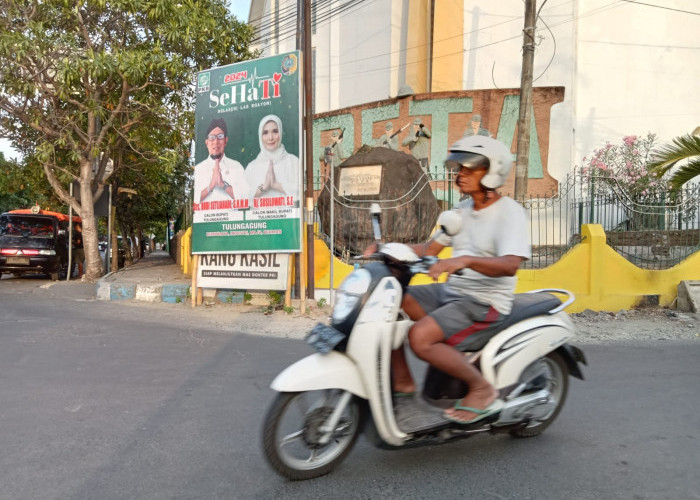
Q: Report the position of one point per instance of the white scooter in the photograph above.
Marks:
(325, 400)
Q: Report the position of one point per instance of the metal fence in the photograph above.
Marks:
(652, 229)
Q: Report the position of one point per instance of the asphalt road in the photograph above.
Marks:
(117, 400)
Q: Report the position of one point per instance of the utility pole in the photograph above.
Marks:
(524, 115)
(308, 157)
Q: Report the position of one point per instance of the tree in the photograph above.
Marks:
(159, 192)
(686, 147)
(81, 81)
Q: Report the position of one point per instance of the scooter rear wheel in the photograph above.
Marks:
(292, 435)
(557, 382)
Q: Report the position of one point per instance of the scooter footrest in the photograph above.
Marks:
(414, 415)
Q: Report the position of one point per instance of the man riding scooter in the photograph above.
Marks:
(478, 294)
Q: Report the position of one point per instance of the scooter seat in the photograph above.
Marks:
(440, 386)
(527, 305)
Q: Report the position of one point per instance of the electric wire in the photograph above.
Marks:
(599, 10)
(663, 7)
(615, 3)
(358, 3)
(325, 18)
(290, 29)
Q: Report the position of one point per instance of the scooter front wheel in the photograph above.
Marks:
(295, 442)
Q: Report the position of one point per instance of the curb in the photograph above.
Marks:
(154, 292)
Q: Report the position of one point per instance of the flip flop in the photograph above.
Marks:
(398, 394)
(491, 409)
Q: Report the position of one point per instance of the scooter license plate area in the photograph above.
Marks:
(324, 338)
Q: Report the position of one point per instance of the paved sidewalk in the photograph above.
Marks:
(155, 278)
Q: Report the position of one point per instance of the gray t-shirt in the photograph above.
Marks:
(495, 231)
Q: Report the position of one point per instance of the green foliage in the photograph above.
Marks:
(288, 309)
(321, 302)
(23, 185)
(274, 298)
(247, 298)
(87, 82)
(274, 301)
(685, 147)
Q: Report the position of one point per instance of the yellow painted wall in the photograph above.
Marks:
(448, 45)
(186, 252)
(601, 279)
(418, 45)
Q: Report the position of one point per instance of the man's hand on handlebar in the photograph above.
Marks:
(446, 266)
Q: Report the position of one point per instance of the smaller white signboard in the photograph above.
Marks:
(251, 271)
(358, 181)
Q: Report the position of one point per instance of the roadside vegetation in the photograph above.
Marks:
(102, 93)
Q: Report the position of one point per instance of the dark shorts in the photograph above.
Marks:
(466, 323)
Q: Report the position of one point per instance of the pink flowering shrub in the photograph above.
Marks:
(623, 167)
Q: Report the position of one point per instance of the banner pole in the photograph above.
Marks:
(290, 280)
(303, 274)
(193, 287)
(308, 160)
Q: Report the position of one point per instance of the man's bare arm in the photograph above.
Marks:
(494, 267)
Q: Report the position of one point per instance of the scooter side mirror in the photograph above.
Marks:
(450, 222)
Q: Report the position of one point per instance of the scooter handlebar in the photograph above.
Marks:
(423, 265)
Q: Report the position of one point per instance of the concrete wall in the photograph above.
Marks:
(601, 279)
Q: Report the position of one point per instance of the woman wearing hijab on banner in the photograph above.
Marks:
(275, 172)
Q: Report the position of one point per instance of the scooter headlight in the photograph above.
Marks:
(350, 293)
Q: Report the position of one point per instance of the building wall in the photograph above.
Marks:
(447, 63)
(628, 68)
(447, 115)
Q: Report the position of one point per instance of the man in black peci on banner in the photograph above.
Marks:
(218, 177)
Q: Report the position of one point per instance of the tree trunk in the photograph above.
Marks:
(115, 241)
(93, 262)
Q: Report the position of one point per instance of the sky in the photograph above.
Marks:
(238, 8)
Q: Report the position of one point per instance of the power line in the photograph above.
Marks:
(288, 29)
(596, 11)
(613, 4)
(663, 7)
(355, 3)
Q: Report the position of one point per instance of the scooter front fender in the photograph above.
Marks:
(321, 371)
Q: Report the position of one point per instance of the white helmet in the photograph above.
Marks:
(478, 150)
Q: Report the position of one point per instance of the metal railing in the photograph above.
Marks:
(652, 230)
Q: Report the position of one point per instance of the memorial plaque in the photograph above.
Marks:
(360, 181)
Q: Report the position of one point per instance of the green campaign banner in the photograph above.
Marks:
(247, 176)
